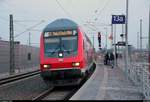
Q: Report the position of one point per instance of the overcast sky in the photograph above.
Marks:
(28, 13)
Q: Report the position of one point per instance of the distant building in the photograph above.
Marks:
(25, 56)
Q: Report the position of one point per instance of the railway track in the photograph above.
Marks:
(57, 93)
(44, 94)
(61, 93)
(18, 84)
(53, 93)
(18, 77)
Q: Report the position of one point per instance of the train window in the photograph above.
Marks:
(52, 45)
(54, 42)
(69, 45)
(51, 40)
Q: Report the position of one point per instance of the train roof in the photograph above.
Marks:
(61, 24)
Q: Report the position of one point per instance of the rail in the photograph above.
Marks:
(18, 77)
(44, 94)
(57, 93)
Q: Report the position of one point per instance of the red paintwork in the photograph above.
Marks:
(81, 57)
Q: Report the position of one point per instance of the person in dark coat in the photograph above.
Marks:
(106, 58)
(111, 58)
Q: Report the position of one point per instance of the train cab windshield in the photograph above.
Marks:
(65, 42)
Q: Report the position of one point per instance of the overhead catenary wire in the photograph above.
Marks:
(19, 22)
(105, 5)
(28, 29)
(90, 27)
(93, 26)
(107, 2)
(102, 9)
(4, 2)
(20, 25)
(66, 12)
(16, 23)
(28, 20)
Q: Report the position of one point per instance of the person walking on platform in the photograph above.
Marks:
(116, 57)
(106, 58)
(111, 57)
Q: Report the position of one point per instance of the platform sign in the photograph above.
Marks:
(118, 19)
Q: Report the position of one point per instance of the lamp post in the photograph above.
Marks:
(149, 39)
(126, 38)
(141, 34)
(137, 40)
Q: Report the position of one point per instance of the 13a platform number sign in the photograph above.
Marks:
(118, 19)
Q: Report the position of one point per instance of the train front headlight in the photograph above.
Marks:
(46, 66)
(76, 64)
(60, 54)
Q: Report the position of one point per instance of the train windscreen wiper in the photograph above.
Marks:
(65, 49)
(54, 50)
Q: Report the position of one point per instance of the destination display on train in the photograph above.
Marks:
(60, 33)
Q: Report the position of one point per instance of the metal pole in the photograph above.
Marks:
(126, 39)
(11, 39)
(122, 29)
(106, 37)
(149, 40)
(140, 34)
(137, 40)
(115, 61)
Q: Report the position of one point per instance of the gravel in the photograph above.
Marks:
(23, 90)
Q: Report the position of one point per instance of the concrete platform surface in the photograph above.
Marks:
(108, 84)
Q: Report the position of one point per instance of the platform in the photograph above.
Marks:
(108, 84)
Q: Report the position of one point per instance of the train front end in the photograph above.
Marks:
(61, 57)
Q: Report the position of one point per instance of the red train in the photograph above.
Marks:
(66, 53)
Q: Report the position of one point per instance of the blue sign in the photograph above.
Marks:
(118, 19)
